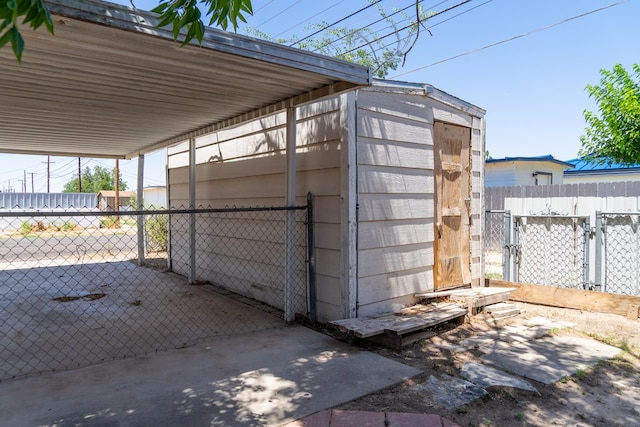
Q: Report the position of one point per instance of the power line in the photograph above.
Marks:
(406, 27)
(459, 14)
(384, 18)
(309, 18)
(387, 46)
(373, 3)
(564, 21)
(278, 14)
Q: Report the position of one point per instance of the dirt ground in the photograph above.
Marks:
(607, 394)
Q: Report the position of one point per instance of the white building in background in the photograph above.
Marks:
(583, 171)
(516, 171)
(155, 196)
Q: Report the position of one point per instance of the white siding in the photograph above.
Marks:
(370, 166)
(395, 196)
(245, 166)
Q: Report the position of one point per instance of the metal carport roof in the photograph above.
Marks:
(111, 84)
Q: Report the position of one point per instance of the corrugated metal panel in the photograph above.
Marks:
(110, 84)
(48, 200)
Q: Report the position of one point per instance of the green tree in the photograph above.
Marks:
(613, 135)
(94, 181)
(382, 53)
(180, 14)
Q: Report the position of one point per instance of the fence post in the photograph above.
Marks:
(586, 233)
(192, 206)
(311, 262)
(599, 237)
(290, 244)
(516, 250)
(506, 258)
(139, 207)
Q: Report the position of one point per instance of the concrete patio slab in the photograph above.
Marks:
(547, 359)
(450, 392)
(486, 376)
(266, 378)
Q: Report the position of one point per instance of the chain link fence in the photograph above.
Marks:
(551, 250)
(565, 251)
(621, 240)
(79, 287)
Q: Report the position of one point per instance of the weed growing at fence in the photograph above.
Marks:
(110, 222)
(157, 232)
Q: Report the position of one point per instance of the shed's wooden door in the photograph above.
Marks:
(452, 266)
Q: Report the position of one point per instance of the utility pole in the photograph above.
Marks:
(32, 173)
(48, 162)
(79, 176)
(24, 183)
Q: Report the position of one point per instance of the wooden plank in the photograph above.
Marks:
(416, 322)
(400, 324)
(570, 298)
(452, 172)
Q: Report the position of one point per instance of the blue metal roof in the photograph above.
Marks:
(581, 165)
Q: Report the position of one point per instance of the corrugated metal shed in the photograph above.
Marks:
(110, 84)
(48, 200)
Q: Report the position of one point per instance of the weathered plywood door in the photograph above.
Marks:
(452, 267)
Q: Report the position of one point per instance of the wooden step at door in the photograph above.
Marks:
(502, 310)
(473, 298)
(398, 329)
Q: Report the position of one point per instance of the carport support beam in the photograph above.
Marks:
(290, 244)
(139, 207)
(192, 215)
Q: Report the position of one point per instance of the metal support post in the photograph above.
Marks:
(140, 207)
(311, 261)
(192, 215)
(597, 281)
(290, 244)
(516, 250)
(506, 260)
(586, 230)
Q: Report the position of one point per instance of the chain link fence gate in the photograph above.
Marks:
(552, 250)
(497, 244)
(73, 292)
(619, 234)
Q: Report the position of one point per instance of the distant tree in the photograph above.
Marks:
(487, 156)
(177, 13)
(94, 181)
(613, 135)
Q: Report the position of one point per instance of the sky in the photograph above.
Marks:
(531, 81)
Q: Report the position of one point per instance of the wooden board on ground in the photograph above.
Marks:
(400, 324)
(579, 299)
(473, 298)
